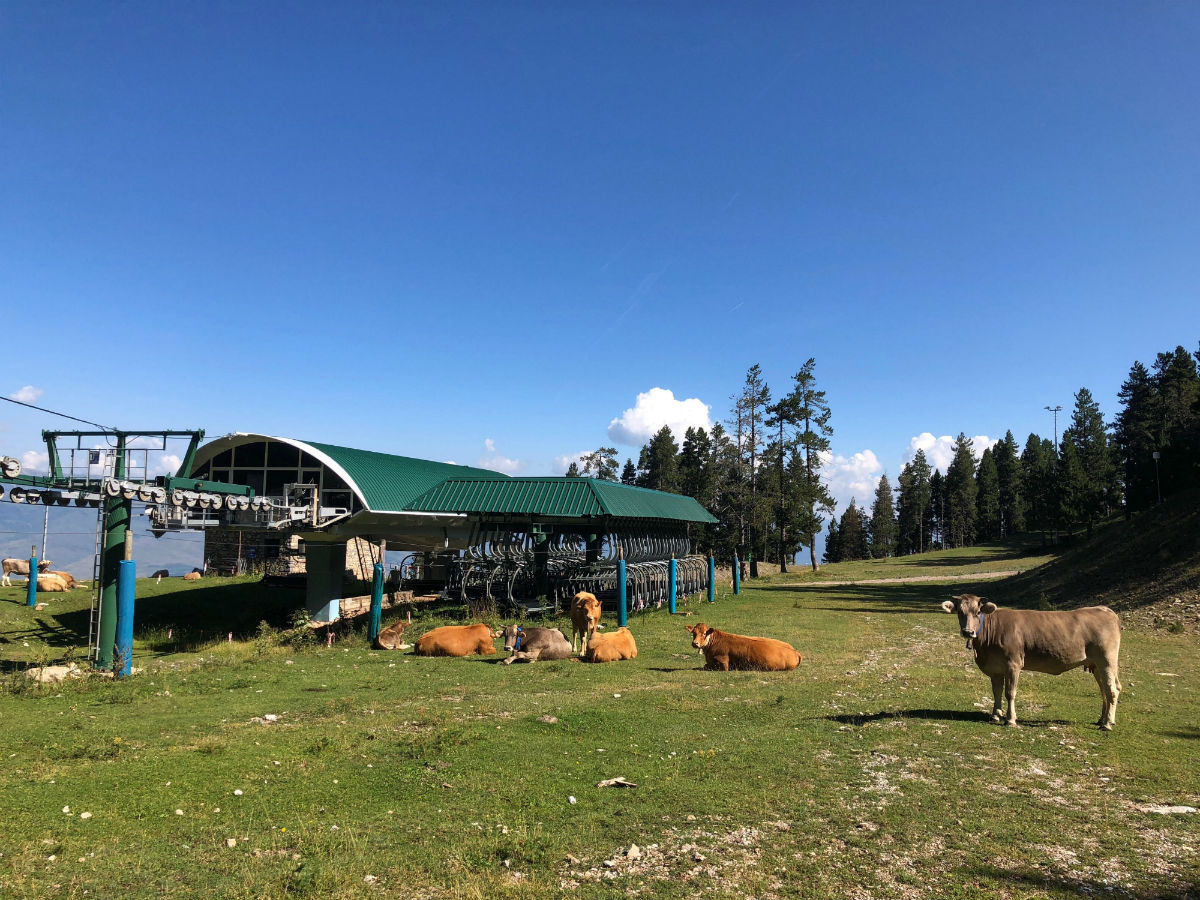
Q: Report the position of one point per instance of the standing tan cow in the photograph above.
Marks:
(585, 616)
(726, 651)
(456, 640)
(1006, 641)
(21, 567)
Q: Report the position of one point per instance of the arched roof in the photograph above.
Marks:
(383, 482)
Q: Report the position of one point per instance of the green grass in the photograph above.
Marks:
(869, 771)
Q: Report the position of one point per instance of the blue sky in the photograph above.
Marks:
(481, 232)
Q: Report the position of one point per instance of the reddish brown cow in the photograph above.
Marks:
(456, 640)
(726, 651)
(611, 647)
(585, 616)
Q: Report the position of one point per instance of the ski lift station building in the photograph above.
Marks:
(334, 509)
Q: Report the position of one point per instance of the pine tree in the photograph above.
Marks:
(694, 473)
(1088, 476)
(852, 534)
(782, 417)
(573, 470)
(661, 466)
(812, 495)
(751, 407)
(833, 543)
(629, 473)
(603, 462)
(1012, 492)
(987, 498)
(1178, 388)
(1135, 436)
(1037, 470)
(937, 511)
(883, 521)
(960, 493)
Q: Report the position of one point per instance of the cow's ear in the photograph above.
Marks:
(948, 605)
(688, 629)
(987, 606)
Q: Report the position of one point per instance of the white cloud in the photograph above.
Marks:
(852, 478)
(654, 409)
(168, 464)
(27, 394)
(939, 451)
(496, 462)
(34, 462)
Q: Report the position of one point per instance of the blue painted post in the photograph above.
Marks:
(126, 576)
(737, 575)
(31, 599)
(712, 578)
(376, 605)
(622, 611)
(672, 582)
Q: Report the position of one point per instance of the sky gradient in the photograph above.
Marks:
(480, 232)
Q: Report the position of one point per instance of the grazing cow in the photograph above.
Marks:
(726, 651)
(192, 576)
(531, 644)
(1006, 641)
(585, 616)
(611, 647)
(68, 578)
(456, 640)
(21, 567)
(391, 637)
(51, 584)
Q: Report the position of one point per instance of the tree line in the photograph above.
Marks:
(1150, 451)
(759, 472)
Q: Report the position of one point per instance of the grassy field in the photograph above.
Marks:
(259, 768)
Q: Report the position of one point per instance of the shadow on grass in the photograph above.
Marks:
(1192, 733)
(1048, 884)
(941, 715)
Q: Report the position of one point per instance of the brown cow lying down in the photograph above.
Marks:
(391, 637)
(21, 567)
(530, 644)
(585, 616)
(726, 651)
(456, 640)
(51, 584)
(68, 578)
(1006, 641)
(611, 646)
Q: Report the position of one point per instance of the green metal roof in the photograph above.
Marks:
(557, 498)
(391, 483)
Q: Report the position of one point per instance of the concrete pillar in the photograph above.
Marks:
(326, 565)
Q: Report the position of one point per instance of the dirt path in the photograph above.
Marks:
(912, 578)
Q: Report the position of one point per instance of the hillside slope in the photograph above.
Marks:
(1148, 569)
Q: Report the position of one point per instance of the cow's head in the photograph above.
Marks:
(969, 609)
(44, 565)
(701, 635)
(513, 637)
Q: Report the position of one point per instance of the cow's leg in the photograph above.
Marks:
(997, 697)
(1110, 690)
(1010, 693)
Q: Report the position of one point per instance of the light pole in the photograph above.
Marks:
(1157, 483)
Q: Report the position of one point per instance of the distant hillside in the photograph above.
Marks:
(1148, 569)
(71, 540)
